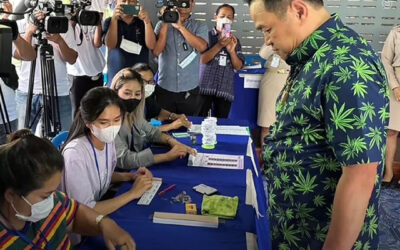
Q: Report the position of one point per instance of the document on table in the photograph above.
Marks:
(234, 162)
(251, 193)
(223, 130)
(148, 196)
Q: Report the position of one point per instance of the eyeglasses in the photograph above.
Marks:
(148, 82)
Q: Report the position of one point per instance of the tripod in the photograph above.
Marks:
(4, 114)
(49, 111)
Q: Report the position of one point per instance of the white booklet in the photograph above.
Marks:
(234, 162)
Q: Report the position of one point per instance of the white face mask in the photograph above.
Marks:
(149, 89)
(222, 21)
(106, 135)
(39, 211)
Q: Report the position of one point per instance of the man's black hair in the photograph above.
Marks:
(225, 6)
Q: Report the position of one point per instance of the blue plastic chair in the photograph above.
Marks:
(59, 139)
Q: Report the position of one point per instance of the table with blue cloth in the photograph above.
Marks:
(230, 234)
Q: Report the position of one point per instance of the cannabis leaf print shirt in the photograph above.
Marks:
(333, 115)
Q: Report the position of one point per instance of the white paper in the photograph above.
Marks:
(233, 162)
(223, 130)
(252, 81)
(250, 154)
(251, 193)
(251, 241)
(257, 66)
(148, 196)
(130, 47)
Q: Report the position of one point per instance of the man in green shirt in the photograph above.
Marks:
(324, 156)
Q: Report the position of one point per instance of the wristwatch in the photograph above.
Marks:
(171, 116)
(99, 218)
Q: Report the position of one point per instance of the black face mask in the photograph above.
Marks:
(131, 104)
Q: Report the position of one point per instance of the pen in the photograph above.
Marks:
(166, 190)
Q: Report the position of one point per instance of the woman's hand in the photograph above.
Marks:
(116, 236)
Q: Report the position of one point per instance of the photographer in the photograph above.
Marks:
(62, 54)
(128, 37)
(22, 51)
(178, 49)
(87, 72)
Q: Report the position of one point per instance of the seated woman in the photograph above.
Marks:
(90, 158)
(136, 132)
(152, 109)
(30, 204)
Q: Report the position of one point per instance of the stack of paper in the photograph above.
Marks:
(148, 196)
(223, 130)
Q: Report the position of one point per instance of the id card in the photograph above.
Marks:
(130, 47)
(275, 61)
(188, 60)
(222, 61)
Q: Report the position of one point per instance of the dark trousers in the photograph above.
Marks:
(220, 106)
(188, 102)
(81, 85)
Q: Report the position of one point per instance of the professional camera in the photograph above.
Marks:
(55, 22)
(170, 14)
(78, 13)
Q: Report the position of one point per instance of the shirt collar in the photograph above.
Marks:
(313, 42)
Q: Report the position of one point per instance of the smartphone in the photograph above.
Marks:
(130, 9)
(226, 30)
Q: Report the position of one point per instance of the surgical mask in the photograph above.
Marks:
(39, 211)
(106, 135)
(149, 89)
(222, 21)
(131, 104)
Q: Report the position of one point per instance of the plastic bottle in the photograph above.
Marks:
(208, 130)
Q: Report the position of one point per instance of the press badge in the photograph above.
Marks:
(275, 61)
(130, 47)
(222, 61)
(188, 60)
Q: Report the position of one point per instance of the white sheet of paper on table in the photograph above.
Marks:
(148, 196)
(223, 130)
(250, 154)
(234, 162)
(252, 81)
(251, 193)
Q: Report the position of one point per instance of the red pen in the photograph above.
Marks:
(166, 190)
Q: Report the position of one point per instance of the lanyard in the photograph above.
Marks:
(98, 169)
(25, 238)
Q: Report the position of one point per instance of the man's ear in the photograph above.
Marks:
(300, 8)
(10, 195)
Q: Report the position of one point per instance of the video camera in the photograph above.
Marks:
(57, 14)
(170, 14)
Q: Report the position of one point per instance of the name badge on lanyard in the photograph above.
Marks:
(275, 61)
(130, 47)
(188, 60)
(222, 60)
(102, 187)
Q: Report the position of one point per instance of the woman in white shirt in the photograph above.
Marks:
(89, 154)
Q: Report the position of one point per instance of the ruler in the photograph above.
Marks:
(148, 196)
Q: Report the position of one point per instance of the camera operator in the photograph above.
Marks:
(22, 51)
(87, 72)
(128, 38)
(62, 54)
(178, 49)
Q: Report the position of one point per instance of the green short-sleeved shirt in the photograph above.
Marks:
(335, 116)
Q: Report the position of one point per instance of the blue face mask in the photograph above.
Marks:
(39, 211)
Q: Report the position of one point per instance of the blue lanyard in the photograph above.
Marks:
(98, 169)
(25, 238)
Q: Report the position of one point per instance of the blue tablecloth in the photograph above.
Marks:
(245, 105)
(230, 235)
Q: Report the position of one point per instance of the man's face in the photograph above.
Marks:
(279, 32)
